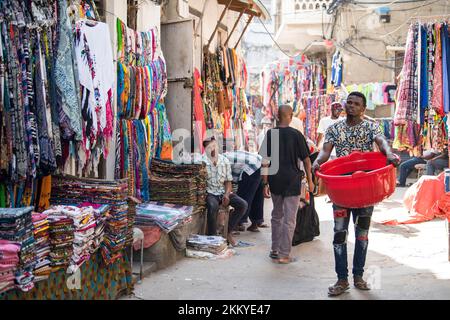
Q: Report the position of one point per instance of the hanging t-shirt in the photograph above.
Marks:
(96, 70)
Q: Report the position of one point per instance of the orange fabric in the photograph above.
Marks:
(44, 196)
(423, 199)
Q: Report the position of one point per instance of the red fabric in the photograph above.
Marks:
(151, 236)
(424, 200)
(198, 107)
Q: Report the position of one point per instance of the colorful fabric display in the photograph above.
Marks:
(422, 100)
(61, 238)
(16, 225)
(9, 262)
(165, 216)
(41, 225)
(178, 184)
(316, 107)
(144, 130)
(75, 191)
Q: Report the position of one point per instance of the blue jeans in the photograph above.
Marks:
(407, 167)
(438, 164)
(212, 205)
(361, 219)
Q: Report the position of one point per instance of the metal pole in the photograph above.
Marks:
(243, 31)
(218, 23)
(235, 25)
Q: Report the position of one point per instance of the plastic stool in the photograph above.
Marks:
(420, 169)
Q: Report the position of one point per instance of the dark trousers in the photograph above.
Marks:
(212, 205)
(250, 188)
(407, 167)
(361, 219)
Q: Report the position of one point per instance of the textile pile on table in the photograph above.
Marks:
(178, 184)
(165, 216)
(9, 262)
(61, 238)
(17, 225)
(42, 269)
(72, 190)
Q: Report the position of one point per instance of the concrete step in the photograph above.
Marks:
(147, 269)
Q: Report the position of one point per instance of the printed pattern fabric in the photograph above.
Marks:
(97, 282)
(347, 139)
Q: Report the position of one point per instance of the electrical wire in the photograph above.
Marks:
(387, 3)
(274, 41)
(361, 54)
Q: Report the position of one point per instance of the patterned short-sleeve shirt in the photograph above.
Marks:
(217, 175)
(347, 139)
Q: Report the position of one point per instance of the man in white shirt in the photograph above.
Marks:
(326, 122)
(296, 123)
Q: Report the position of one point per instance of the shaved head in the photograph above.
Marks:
(285, 114)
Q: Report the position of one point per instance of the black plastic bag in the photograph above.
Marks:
(307, 227)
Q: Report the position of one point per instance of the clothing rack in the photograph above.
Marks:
(418, 18)
(313, 91)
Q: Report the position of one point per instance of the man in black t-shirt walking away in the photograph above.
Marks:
(282, 150)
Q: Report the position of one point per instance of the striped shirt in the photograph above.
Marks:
(242, 161)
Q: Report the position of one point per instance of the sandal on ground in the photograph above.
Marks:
(263, 225)
(360, 284)
(337, 289)
(287, 260)
(273, 254)
(235, 233)
(240, 228)
(253, 228)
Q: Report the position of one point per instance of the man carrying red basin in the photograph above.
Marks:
(346, 136)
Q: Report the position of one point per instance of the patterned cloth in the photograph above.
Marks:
(97, 282)
(217, 175)
(242, 161)
(347, 139)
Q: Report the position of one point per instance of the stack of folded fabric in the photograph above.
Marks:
(212, 244)
(61, 238)
(73, 190)
(42, 268)
(9, 262)
(165, 216)
(131, 218)
(178, 184)
(84, 229)
(16, 225)
(101, 211)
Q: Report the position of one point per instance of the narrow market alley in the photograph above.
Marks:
(403, 262)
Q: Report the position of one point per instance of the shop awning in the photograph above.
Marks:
(251, 7)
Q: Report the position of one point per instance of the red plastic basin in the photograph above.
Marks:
(358, 180)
